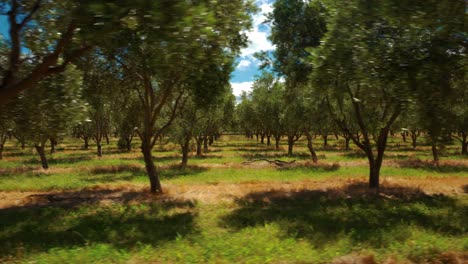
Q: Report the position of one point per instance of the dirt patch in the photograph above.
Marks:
(219, 192)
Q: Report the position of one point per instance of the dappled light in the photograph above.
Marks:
(234, 131)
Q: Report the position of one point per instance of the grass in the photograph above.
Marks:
(218, 210)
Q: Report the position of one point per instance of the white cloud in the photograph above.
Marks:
(238, 88)
(259, 39)
(244, 64)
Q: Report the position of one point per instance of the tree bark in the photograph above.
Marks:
(435, 154)
(310, 146)
(53, 143)
(129, 144)
(463, 138)
(337, 137)
(290, 145)
(40, 148)
(403, 135)
(99, 149)
(347, 139)
(199, 147)
(185, 152)
(205, 145)
(374, 174)
(325, 141)
(262, 138)
(1, 150)
(268, 140)
(2, 145)
(153, 174)
(277, 142)
(414, 137)
(86, 143)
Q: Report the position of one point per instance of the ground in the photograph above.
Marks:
(221, 209)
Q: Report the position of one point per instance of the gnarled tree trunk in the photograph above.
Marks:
(277, 141)
(153, 174)
(310, 146)
(185, 151)
(40, 148)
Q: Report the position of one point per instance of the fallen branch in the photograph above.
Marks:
(279, 163)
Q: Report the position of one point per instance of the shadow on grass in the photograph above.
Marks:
(175, 171)
(257, 149)
(309, 165)
(128, 172)
(78, 222)
(355, 154)
(277, 155)
(70, 159)
(324, 217)
(428, 165)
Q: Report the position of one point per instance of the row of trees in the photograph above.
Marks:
(141, 60)
(154, 69)
(367, 67)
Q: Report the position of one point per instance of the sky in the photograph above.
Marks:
(247, 66)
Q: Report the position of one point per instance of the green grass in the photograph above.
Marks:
(312, 227)
(308, 226)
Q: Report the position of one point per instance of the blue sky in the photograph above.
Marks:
(247, 67)
(242, 78)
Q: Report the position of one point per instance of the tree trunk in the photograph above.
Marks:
(128, 142)
(53, 143)
(199, 147)
(107, 138)
(403, 135)
(211, 140)
(290, 145)
(99, 149)
(262, 138)
(337, 136)
(464, 150)
(256, 135)
(414, 138)
(2, 145)
(435, 154)
(464, 143)
(1, 150)
(313, 154)
(41, 151)
(374, 174)
(86, 143)
(153, 174)
(268, 140)
(277, 142)
(205, 145)
(325, 141)
(185, 152)
(347, 139)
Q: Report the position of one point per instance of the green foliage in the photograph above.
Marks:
(50, 109)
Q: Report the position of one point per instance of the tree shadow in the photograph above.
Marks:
(276, 155)
(59, 160)
(309, 165)
(323, 216)
(429, 165)
(354, 154)
(256, 149)
(175, 171)
(71, 219)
